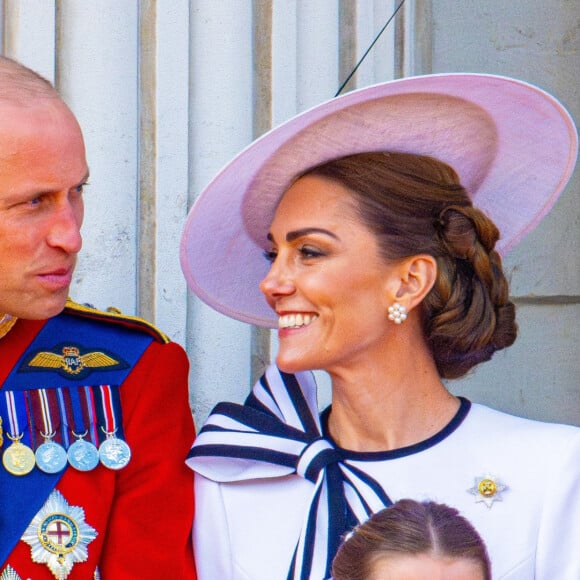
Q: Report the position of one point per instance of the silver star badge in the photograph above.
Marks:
(487, 489)
(9, 574)
(58, 535)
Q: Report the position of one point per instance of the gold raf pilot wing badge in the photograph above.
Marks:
(71, 360)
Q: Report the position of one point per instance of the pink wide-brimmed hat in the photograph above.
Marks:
(513, 145)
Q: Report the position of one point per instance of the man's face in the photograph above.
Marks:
(42, 173)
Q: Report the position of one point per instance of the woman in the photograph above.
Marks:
(413, 540)
(381, 272)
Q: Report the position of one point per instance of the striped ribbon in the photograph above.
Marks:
(108, 409)
(64, 413)
(45, 414)
(14, 407)
(275, 433)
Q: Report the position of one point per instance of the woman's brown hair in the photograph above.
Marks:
(409, 527)
(416, 205)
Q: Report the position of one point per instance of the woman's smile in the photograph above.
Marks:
(295, 320)
(328, 281)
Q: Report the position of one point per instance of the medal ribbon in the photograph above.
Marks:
(44, 406)
(82, 406)
(64, 411)
(277, 432)
(15, 409)
(88, 404)
(109, 410)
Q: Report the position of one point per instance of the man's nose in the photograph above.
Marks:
(65, 229)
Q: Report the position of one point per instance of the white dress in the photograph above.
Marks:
(248, 526)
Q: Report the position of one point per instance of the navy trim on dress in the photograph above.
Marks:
(346, 454)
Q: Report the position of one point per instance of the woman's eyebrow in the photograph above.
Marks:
(291, 236)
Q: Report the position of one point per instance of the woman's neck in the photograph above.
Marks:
(382, 407)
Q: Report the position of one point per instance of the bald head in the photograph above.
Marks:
(20, 85)
(43, 171)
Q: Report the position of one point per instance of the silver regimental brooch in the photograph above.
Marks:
(487, 489)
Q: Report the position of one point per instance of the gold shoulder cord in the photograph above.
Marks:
(6, 323)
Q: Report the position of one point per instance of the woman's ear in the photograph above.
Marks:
(417, 275)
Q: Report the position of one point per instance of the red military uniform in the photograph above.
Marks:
(109, 523)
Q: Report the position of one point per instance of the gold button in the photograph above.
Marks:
(487, 487)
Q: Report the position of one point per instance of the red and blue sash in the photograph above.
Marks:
(71, 372)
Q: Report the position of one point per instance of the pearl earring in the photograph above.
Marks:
(397, 313)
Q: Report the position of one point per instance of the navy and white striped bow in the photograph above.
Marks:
(277, 432)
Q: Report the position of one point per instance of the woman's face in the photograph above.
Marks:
(328, 283)
(421, 566)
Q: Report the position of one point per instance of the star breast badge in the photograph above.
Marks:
(9, 574)
(487, 489)
(58, 536)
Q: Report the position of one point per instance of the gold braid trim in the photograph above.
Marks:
(6, 323)
(114, 315)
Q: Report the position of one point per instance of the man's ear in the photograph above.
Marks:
(417, 275)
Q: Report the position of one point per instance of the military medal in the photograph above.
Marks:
(487, 489)
(83, 455)
(114, 453)
(50, 456)
(58, 536)
(18, 458)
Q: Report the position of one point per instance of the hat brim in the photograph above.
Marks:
(513, 146)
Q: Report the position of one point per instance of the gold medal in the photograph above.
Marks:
(18, 459)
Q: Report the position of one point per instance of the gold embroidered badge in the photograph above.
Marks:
(72, 361)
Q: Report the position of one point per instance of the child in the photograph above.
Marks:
(412, 541)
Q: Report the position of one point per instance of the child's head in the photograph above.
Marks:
(410, 541)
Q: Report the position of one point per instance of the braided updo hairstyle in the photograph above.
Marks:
(416, 205)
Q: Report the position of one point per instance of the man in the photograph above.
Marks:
(95, 420)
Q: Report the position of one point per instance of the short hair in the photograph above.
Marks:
(409, 527)
(21, 85)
